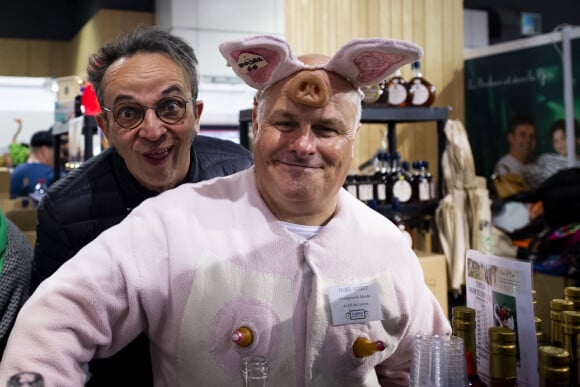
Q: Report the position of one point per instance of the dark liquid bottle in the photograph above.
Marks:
(396, 91)
(553, 366)
(571, 342)
(463, 323)
(380, 179)
(502, 357)
(421, 91)
(400, 181)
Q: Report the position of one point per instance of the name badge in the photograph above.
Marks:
(351, 304)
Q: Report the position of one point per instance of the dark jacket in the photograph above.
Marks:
(14, 279)
(96, 196)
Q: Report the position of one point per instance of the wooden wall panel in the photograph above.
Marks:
(436, 25)
(103, 27)
(50, 58)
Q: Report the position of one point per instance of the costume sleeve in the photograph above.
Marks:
(92, 306)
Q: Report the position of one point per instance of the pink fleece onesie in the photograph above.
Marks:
(193, 264)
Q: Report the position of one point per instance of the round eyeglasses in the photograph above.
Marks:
(129, 115)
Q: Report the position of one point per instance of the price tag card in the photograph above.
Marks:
(351, 304)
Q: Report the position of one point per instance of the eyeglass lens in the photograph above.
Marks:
(169, 110)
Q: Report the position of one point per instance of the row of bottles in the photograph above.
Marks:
(558, 360)
(561, 362)
(553, 362)
(398, 92)
(392, 178)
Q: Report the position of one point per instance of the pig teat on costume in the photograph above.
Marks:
(264, 60)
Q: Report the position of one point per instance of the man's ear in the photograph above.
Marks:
(103, 123)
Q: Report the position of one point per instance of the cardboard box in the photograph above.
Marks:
(435, 271)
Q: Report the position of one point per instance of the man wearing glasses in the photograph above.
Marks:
(147, 85)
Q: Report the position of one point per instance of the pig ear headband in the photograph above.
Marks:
(264, 60)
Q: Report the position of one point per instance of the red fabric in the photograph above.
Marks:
(90, 102)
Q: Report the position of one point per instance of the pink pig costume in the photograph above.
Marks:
(194, 264)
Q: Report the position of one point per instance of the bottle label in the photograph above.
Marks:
(424, 190)
(351, 188)
(402, 190)
(420, 94)
(365, 192)
(397, 94)
(381, 191)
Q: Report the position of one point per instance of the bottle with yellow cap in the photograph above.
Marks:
(557, 306)
(242, 337)
(570, 341)
(364, 347)
(502, 357)
(553, 366)
(539, 332)
(463, 323)
(572, 293)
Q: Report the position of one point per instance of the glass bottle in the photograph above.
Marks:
(364, 347)
(372, 93)
(463, 323)
(400, 182)
(570, 342)
(365, 189)
(553, 366)
(421, 91)
(421, 183)
(380, 180)
(255, 371)
(28, 379)
(572, 293)
(397, 219)
(539, 332)
(557, 306)
(502, 357)
(243, 337)
(430, 179)
(396, 90)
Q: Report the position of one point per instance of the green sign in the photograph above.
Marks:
(526, 81)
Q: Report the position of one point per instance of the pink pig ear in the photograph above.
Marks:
(366, 62)
(260, 60)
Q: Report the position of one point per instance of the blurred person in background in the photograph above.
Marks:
(39, 165)
(522, 144)
(548, 164)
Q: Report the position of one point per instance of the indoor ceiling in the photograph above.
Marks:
(57, 19)
(62, 19)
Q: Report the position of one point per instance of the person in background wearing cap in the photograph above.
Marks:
(277, 260)
(39, 165)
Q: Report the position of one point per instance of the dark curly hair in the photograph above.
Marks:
(151, 39)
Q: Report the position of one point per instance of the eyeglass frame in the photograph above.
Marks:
(145, 108)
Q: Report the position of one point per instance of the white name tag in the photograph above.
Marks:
(350, 304)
